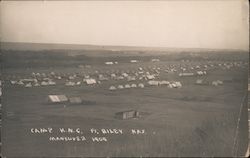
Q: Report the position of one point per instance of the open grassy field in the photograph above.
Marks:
(194, 120)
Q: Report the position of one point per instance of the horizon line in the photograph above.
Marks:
(135, 46)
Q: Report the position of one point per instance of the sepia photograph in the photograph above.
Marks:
(127, 78)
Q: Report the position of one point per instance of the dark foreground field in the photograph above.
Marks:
(194, 120)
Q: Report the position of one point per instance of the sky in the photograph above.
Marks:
(214, 24)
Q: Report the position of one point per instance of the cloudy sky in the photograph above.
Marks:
(219, 24)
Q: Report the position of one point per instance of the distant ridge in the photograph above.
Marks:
(58, 46)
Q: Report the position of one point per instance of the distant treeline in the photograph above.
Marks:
(10, 58)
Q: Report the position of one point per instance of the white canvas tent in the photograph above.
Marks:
(141, 85)
(153, 83)
(43, 83)
(127, 86)
(178, 84)
(90, 81)
(133, 61)
(155, 60)
(57, 99)
(150, 77)
(163, 82)
(70, 83)
(28, 85)
(133, 85)
(112, 88)
(109, 63)
(120, 87)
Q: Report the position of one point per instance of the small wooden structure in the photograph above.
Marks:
(127, 114)
(75, 100)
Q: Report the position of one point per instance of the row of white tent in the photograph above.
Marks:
(131, 61)
(111, 62)
(200, 73)
(231, 64)
(87, 79)
(127, 86)
(115, 62)
(43, 83)
(91, 81)
(172, 84)
(171, 68)
(29, 82)
(112, 75)
(213, 83)
(140, 75)
(50, 82)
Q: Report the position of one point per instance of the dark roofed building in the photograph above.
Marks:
(127, 114)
